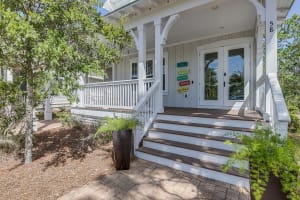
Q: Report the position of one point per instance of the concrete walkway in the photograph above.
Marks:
(149, 181)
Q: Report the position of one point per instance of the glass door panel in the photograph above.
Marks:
(211, 76)
(235, 74)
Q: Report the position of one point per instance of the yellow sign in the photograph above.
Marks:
(183, 72)
(183, 89)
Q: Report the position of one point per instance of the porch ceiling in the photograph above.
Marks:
(220, 18)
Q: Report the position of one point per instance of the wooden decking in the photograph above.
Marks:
(249, 115)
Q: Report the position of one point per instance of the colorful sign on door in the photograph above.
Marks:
(185, 83)
(183, 72)
(183, 89)
(182, 77)
(182, 64)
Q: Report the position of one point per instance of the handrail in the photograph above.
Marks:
(277, 108)
(111, 83)
(147, 96)
(145, 112)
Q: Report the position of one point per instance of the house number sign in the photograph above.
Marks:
(271, 26)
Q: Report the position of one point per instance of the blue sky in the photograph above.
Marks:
(295, 9)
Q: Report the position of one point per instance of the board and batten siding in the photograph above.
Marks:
(177, 53)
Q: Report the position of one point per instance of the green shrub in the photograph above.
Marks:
(67, 119)
(114, 124)
(268, 153)
(294, 125)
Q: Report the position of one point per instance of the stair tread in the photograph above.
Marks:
(192, 161)
(196, 135)
(194, 147)
(205, 125)
(244, 115)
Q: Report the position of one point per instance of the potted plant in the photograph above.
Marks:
(121, 131)
(270, 156)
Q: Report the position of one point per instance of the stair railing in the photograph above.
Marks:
(145, 112)
(276, 108)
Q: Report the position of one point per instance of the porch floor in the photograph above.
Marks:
(215, 113)
(149, 181)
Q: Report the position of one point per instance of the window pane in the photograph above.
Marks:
(134, 71)
(149, 69)
(211, 76)
(236, 74)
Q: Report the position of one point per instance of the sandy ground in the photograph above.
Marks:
(61, 163)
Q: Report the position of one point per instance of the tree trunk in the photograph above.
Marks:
(29, 122)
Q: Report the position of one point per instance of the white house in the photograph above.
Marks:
(198, 71)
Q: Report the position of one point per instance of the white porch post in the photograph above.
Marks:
(80, 92)
(141, 59)
(260, 79)
(48, 109)
(271, 46)
(158, 64)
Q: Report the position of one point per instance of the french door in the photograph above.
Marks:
(225, 76)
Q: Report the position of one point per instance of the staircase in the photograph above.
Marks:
(195, 144)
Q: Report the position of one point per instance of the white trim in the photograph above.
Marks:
(166, 57)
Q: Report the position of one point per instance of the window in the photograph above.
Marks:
(165, 74)
(134, 70)
(149, 69)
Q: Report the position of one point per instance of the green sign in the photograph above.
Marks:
(182, 77)
(183, 72)
(182, 64)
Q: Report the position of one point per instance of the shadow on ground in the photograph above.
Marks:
(62, 144)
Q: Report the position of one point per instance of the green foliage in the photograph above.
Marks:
(67, 119)
(50, 44)
(115, 124)
(11, 105)
(289, 59)
(268, 153)
(295, 122)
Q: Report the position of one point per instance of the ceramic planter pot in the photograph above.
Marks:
(122, 142)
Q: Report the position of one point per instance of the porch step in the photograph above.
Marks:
(196, 135)
(229, 128)
(206, 154)
(198, 128)
(195, 166)
(197, 145)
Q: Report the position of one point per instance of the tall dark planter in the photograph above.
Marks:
(122, 142)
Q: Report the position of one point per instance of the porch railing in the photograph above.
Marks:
(145, 111)
(114, 94)
(276, 107)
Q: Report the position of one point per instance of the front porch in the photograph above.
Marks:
(196, 75)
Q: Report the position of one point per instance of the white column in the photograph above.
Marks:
(48, 109)
(271, 46)
(141, 59)
(260, 78)
(80, 92)
(158, 64)
(9, 76)
(271, 36)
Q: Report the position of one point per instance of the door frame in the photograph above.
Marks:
(249, 102)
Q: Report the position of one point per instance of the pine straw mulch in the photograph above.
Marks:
(61, 162)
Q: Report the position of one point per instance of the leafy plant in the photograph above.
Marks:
(67, 119)
(268, 153)
(294, 125)
(115, 124)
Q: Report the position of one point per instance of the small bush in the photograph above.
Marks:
(268, 154)
(67, 119)
(8, 145)
(294, 125)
